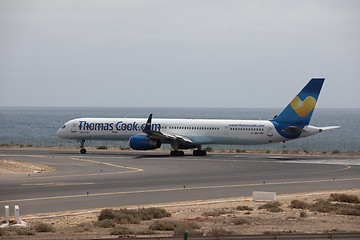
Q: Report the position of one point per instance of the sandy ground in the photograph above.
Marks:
(257, 221)
(8, 166)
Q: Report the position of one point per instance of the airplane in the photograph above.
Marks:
(147, 134)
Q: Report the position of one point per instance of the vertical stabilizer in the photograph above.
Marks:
(301, 108)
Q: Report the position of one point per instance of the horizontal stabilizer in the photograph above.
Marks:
(329, 128)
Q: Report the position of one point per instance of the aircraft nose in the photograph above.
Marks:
(60, 133)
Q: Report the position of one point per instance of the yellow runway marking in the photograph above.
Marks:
(109, 164)
(178, 189)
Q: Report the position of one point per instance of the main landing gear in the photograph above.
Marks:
(82, 148)
(199, 152)
(195, 153)
(177, 153)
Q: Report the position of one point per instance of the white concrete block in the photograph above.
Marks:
(264, 196)
(7, 214)
(17, 213)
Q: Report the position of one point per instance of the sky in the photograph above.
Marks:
(178, 53)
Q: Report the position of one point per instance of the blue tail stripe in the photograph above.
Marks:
(288, 115)
(299, 111)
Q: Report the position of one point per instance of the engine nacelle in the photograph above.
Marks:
(143, 143)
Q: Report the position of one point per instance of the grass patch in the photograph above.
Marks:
(244, 208)
(43, 227)
(348, 198)
(126, 216)
(271, 207)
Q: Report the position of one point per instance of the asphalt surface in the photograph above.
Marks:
(116, 178)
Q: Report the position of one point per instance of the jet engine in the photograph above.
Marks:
(144, 143)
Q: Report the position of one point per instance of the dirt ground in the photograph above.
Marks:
(257, 221)
(8, 166)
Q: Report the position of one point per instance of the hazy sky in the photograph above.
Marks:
(177, 53)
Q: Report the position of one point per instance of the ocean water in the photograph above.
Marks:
(37, 125)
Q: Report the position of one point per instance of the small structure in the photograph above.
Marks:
(13, 223)
(264, 196)
(7, 212)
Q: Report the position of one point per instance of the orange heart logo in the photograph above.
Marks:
(303, 108)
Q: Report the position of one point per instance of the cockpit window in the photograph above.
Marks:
(63, 126)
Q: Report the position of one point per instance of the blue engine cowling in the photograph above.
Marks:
(144, 143)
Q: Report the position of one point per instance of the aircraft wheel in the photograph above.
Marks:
(199, 152)
(83, 151)
(177, 153)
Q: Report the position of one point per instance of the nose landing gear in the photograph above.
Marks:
(82, 148)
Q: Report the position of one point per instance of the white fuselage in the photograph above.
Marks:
(199, 131)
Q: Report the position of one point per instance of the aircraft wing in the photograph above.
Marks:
(161, 135)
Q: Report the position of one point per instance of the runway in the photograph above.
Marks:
(101, 179)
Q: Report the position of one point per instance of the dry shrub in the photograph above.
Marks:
(127, 216)
(244, 208)
(177, 226)
(326, 206)
(239, 221)
(215, 213)
(303, 214)
(164, 225)
(323, 206)
(83, 227)
(105, 223)
(348, 198)
(43, 227)
(353, 210)
(272, 207)
(22, 231)
(299, 205)
(121, 230)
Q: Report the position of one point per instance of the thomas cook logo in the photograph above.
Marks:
(303, 108)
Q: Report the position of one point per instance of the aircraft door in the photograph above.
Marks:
(227, 130)
(270, 131)
(73, 128)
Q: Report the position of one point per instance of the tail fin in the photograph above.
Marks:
(300, 109)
